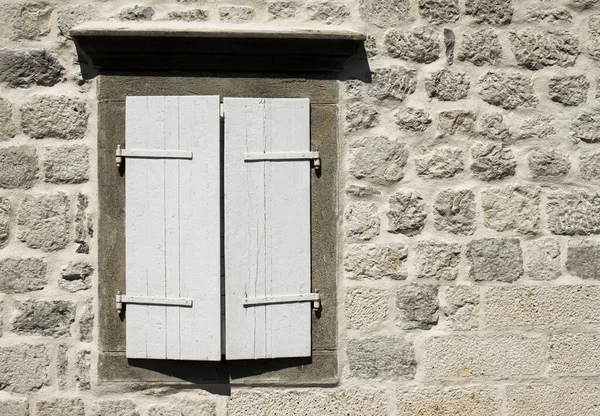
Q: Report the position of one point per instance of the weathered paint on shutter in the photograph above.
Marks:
(173, 228)
(267, 228)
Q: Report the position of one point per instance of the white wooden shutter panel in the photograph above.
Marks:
(173, 228)
(267, 228)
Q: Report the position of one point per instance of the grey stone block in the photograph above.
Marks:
(381, 358)
(25, 21)
(378, 159)
(190, 407)
(24, 68)
(421, 44)
(76, 276)
(492, 161)
(69, 17)
(495, 259)
(136, 13)
(507, 90)
(586, 128)
(569, 90)
(512, 208)
(454, 211)
(362, 221)
(480, 47)
(370, 261)
(535, 49)
(548, 163)
(83, 361)
(44, 221)
(19, 168)
(492, 127)
(441, 162)
(20, 275)
(54, 116)
(573, 212)
(40, 317)
(589, 165)
(7, 126)
(537, 127)
(548, 14)
(406, 214)
(439, 11)
(192, 15)
(460, 307)
(23, 368)
(543, 261)
(437, 260)
(361, 116)
(330, 12)
(61, 406)
(282, 9)
(456, 121)
(583, 259)
(14, 408)
(85, 321)
(384, 13)
(5, 232)
(365, 308)
(394, 82)
(412, 119)
(67, 164)
(417, 306)
(446, 85)
(236, 14)
(494, 12)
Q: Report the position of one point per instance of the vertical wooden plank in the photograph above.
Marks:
(200, 327)
(267, 228)
(172, 233)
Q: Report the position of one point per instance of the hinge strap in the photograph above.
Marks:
(314, 156)
(269, 300)
(151, 154)
(149, 300)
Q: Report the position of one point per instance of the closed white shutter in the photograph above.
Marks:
(267, 227)
(173, 229)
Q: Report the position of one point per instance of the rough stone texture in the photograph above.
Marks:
(406, 214)
(439, 11)
(454, 211)
(54, 116)
(85, 320)
(507, 90)
(370, 261)
(448, 401)
(573, 213)
(417, 306)
(481, 356)
(76, 276)
(362, 221)
(83, 362)
(381, 357)
(495, 12)
(446, 85)
(594, 24)
(236, 14)
(192, 407)
(62, 407)
(20, 275)
(71, 16)
(492, 127)
(18, 165)
(44, 221)
(459, 305)
(282, 9)
(492, 161)
(378, 159)
(14, 408)
(586, 128)
(543, 259)
(114, 408)
(546, 162)
(548, 14)
(384, 13)
(456, 121)
(67, 164)
(5, 209)
(582, 4)
(136, 13)
(193, 15)
(359, 191)
(24, 68)
(28, 20)
(541, 306)
(49, 318)
(23, 368)
(539, 127)
(353, 401)
(365, 308)
(512, 208)
(437, 260)
(84, 225)
(62, 366)
(371, 46)
(7, 126)
(393, 82)
(495, 259)
(449, 44)
(421, 44)
(569, 90)
(574, 353)
(480, 47)
(442, 162)
(589, 164)
(330, 12)
(536, 49)
(361, 116)
(412, 119)
(583, 259)
(553, 399)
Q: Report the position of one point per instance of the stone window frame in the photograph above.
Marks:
(113, 366)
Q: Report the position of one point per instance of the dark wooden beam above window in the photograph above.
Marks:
(159, 47)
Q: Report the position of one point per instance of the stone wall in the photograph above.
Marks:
(470, 265)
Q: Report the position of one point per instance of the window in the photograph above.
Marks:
(320, 367)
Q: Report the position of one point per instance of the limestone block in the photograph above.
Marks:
(494, 12)
(441, 162)
(69, 17)
(446, 85)
(421, 44)
(509, 90)
(365, 308)
(394, 82)
(23, 368)
(574, 353)
(492, 161)
(417, 306)
(548, 14)
(25, 21)
(412, 119)
(7, 126)
(569, 90)
(553, 399)
(448, 401)
(573, 212)
(361, 221)
(54, 116)
(5, 209)
(381, 357)
(44, 221)
(20, 275)
(495, 259)
(512, 208)
(480, 47)
(19, 168)
(14, 408)
(437, 260)
(543, 261)
(67, 164)
(536, 49)
(406, 214)
(370, 261)
(61, 406)
(460, 307)
(191, 407)
(548, 162)
(454, 211)
(589, 164)
(122, 407)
